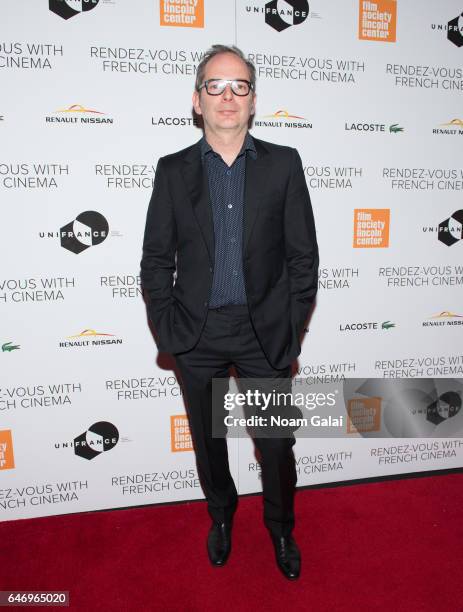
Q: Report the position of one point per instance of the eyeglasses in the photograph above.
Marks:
(215, 87)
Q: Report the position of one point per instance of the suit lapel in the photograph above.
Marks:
(257, 172)
(196, 182)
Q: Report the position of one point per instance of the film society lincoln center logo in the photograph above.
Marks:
(182, 13)
(180, 436)
(6, 450)
(371, 228)
(378, 20)
(69, 8)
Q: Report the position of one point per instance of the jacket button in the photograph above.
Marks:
(205, 303)
(210, 269)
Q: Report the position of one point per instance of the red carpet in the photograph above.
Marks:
(392, 546)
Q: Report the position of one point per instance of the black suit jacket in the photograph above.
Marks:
(280, 253)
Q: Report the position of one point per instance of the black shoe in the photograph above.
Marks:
(219, 543)
(287, 556)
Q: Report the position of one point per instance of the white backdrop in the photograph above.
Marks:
(93, 92)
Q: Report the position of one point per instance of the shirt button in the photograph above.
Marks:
(230, 206)
(235, 272)
(228, 172)
(232, 239)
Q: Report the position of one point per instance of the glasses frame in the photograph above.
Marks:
(227, 82)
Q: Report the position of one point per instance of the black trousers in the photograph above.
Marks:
(228, 338)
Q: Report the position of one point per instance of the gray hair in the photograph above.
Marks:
(217, 50)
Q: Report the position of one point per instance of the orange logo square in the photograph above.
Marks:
(180, 436)
(378, 20)
(364, 414)
(182, 13)
(371, 228)
(6, 450)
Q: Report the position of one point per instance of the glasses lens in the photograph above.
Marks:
(240, 88)
(215, 87)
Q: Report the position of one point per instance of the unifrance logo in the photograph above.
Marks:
(455, 31)
(88, 229)
(99, 438)
(451, 230)
(69, 8)
(282, 15)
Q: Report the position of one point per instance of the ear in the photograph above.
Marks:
(196, 104)
(253, 104)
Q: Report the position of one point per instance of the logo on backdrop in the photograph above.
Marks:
(378, 20)
(88, 229)
(405, 407)
(180, 436)
(283, 119)
(99, 438)
(364, 414)
(444, 318)
(455, 126)
(90, 337)
(6, 450)
(8, 347)
(186, 14)
(455, 30)
(282, 15)
(176, 121)
(393, 128)
(371, 228)
(366, 325)
(451, 230)
(69, 8)
(76, 113)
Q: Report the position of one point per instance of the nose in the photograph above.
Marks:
(227, 92)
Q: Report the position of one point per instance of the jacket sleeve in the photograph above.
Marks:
(300, 244)
(159, 249)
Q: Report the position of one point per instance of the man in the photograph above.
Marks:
(230, 218)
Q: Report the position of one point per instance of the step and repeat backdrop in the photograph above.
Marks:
(93, 93)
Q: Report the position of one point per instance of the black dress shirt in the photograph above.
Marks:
(226, 188)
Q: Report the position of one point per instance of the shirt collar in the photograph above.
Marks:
(248, 145)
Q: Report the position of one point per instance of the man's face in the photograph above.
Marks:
(225, 111)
